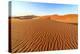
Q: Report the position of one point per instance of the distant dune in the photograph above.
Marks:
(25, 17)
(45, 33)
(69, 18)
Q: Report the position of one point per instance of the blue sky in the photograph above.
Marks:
(20, 8)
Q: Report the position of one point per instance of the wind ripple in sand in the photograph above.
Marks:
(43, 35)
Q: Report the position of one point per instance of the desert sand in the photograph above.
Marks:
(46, 33)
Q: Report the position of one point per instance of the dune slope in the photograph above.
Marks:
(42, 35)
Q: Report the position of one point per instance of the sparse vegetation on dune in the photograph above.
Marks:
(43, 34)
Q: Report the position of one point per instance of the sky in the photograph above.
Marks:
(22, 8)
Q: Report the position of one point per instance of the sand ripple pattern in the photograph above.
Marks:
(43, 35)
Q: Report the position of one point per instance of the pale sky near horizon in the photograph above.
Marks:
(21, 8)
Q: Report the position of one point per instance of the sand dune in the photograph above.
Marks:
(25, 17)
(69, 18)
(30, 35)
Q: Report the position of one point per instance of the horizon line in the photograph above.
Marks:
(42, 15)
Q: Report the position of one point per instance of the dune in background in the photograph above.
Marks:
(44, 33)
(69, 18)
(24, 17)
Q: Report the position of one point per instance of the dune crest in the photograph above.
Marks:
(69, 18)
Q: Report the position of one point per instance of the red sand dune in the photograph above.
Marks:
(69, 18)
(43, 34)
